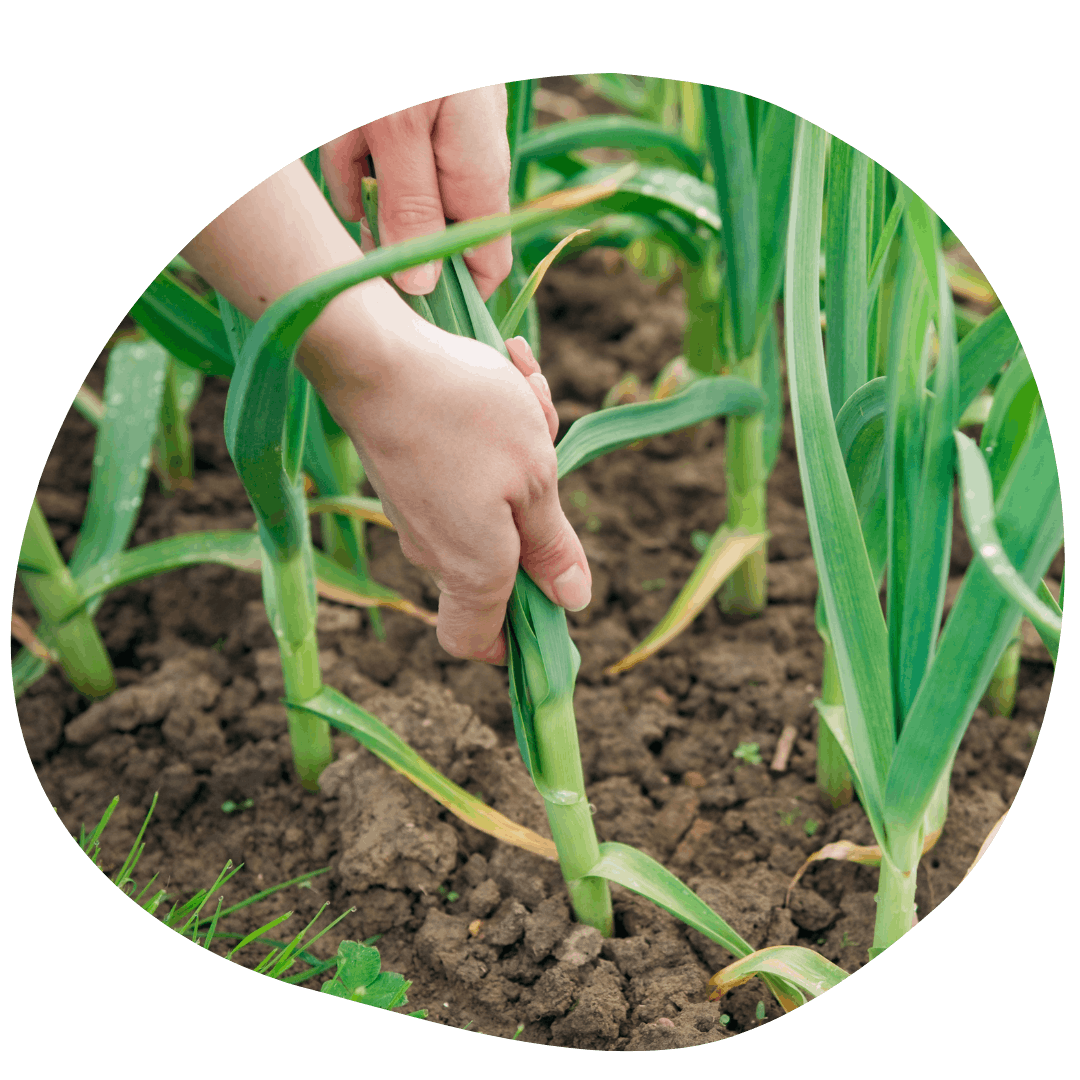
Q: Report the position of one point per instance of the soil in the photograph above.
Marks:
(482, 929)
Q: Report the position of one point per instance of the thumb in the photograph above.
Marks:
(552, 555)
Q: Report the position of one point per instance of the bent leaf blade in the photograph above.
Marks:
(725, 553)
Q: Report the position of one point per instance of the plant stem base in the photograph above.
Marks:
(743, 595)
(1000, 697)
(895, 905)
(312, 752)
(833, 775)
(591, 900)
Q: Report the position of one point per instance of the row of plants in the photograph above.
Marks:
(746, 203)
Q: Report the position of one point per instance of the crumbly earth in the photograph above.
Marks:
(482, 929)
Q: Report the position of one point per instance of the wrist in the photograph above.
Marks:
(355, 344)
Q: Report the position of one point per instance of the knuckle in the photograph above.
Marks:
(546, 550)
(411, 210)
(412, 122)
(453, 644)
(541, 480)
(498, 261)
(482, 580)
(411, 551)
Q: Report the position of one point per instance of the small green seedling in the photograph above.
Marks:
(810, 826)
(230, 807)
(579, 499)
(359, 978)
(759, 1012)
(750, 752)
(188, 920)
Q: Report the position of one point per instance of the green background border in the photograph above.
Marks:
(130, 125)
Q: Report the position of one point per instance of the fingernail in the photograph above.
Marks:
(524, 343)
(418, 280)
(543, 383)
(572, 589)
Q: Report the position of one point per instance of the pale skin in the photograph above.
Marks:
(457, 443)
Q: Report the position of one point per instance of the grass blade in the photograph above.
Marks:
(634, 870)
(927, 570)
(334, 582)
(134, 384)
(255, 934)
(846, 304)
(240, 550)
(186, 325)
(65, 626)
(174, 450)
(775, 145)
(724, 553)
(601, 432)
(638, 872)
(509, 324)
(23, 633)
(89, 406)
(626, 91)
(924, 233)
(860, 431)
(732, 157)
(519, 115)
(888, 232)
(1014, 411)
(799, 967)
(272, 890)
(621, 132)
(771, 387)
(983, 352)
(357, 506)
(906, 375)
(349, 718)
(978, 628)
(977, 504)
(679, 202)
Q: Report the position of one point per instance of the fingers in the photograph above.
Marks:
(525, 362)
(344, 165)
(410, 204)
(473, 161)
(470, 631)
(551, 553)
(447, 158)
(473, 595)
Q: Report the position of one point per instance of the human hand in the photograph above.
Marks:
(459, 446)
(445, 159)
(456, 441)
